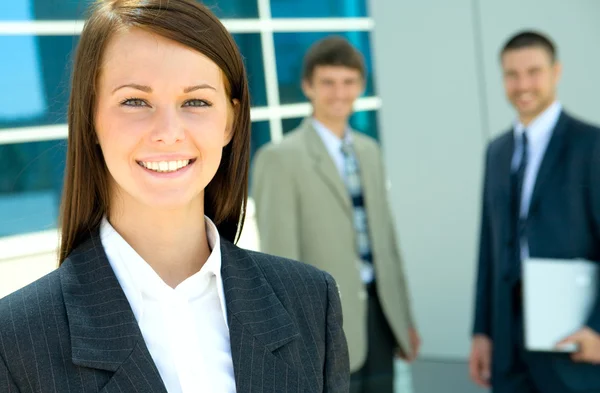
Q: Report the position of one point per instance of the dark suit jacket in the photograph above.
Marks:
(73, 330)
(563, 222)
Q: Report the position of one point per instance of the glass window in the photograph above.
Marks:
(290, 49)
(290, 124)
(251, 48)
(364, 122)
(43, 9)
(318, 8)
(30, 186)
(233, 8)
(35, 79)
(76, 9)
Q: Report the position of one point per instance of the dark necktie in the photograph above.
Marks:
(517, 178)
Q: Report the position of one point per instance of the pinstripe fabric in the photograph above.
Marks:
(73, 330)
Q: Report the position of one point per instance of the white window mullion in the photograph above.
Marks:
(270, 64)
(74, 27)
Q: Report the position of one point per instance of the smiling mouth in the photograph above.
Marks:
(166, 166)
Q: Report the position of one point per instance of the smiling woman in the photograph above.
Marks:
(151, 294)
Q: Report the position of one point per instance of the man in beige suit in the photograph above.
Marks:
(321, 198)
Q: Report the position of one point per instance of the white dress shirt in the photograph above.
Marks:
(185, 328)
(539, 133)
(333, 144)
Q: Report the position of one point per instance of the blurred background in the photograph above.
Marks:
(434, 99)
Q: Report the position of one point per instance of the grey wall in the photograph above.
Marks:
(438, 75)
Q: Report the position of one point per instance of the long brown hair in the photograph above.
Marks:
(86, 193)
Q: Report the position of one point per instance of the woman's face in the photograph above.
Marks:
(162, 119)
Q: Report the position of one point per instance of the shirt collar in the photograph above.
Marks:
(542, 126)
(140, 281)
(329, 137)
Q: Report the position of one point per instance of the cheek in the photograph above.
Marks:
(207, 131)
(511, 88)
(118, 137)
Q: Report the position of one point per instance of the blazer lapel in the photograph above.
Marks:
(325, 167)
(551, 158)
(259, 325)
(368, 181)
(104, 332)
(501, 188)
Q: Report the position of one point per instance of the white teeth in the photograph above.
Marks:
(165, 166)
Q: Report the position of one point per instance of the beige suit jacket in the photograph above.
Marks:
(304, 212)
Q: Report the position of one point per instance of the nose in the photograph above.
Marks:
(523, 83)
(168, 128)
(340, 91)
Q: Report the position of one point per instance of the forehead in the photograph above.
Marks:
(335, 71)
(136, 53)
(526, 57)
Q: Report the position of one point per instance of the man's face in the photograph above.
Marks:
(530, 80)
(333, 91)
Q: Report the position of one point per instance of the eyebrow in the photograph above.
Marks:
(148, 89)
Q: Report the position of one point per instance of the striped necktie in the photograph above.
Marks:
(361, 228)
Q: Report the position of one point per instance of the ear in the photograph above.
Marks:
(231, 116)
(307, 88)
(557, 71)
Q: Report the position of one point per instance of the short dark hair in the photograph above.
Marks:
(529, 39)
(332, 51)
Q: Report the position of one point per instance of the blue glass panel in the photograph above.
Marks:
(251, 48)
(290, 49)
(318, 8)
(260, 135)
(30, 186)
(76, 9)
(290, 124)
(35, 79)
(364, 122)
(233, 8)
(43, 9)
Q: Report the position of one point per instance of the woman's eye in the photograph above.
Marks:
(134, 102)
(196, 103)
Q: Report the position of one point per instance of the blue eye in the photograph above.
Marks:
(134, 102)
(196, 103)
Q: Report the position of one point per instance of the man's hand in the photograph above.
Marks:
(588, 344)
(480, 361)
(415, 344)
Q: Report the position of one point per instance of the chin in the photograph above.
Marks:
(168, 202)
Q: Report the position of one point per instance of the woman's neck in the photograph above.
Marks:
(173, 242)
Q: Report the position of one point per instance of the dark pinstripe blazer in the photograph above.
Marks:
(73, 330)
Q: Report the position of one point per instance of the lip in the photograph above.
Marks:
(168, 175)
(166, 157)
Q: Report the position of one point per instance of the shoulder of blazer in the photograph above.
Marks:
(28, 310)
(365, 140)
(292, 145)
(580, 128)
(500, 143)
(292, 281)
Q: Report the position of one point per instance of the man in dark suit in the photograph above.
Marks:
(541, 198)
